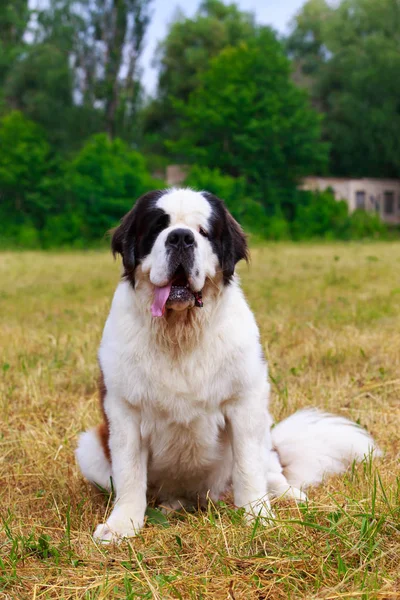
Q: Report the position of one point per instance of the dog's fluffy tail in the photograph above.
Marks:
(311, 444)
(92, 460)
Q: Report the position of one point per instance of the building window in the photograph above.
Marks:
(360, 200)
(389, 203)
(375, 203)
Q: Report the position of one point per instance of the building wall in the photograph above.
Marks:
(378, 195)
(176, 174)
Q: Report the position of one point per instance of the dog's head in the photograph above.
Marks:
(178, 240)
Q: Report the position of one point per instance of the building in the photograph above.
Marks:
(379, 195)
(176, 174)
(375, 195)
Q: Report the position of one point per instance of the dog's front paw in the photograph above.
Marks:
(288, 492)
(296, 494)
(259, 510)
(122, 523)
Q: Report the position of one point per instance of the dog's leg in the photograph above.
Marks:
(278, 485)
(129, 472)
(249, 429)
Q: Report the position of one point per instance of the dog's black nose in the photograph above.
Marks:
(180, 239)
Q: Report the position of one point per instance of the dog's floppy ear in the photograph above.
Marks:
(234, 246)
(228, 238)
(123, 240)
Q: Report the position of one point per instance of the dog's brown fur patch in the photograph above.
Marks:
(103, 430)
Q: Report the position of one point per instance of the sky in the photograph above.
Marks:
(277, 13)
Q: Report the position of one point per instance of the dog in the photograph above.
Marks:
(184, 383)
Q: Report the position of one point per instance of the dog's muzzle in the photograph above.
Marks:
(177, 294)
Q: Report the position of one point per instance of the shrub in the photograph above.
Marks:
(319, 215)
(101, 184)
(310, 215)
(249, 213)
(22, 236)
(364, 224)
(64, 230)
(25, 164)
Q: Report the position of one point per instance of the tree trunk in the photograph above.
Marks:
(115, 37)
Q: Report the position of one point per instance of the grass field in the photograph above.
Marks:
(330, 323)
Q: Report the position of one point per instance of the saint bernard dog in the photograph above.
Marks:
(184, 384)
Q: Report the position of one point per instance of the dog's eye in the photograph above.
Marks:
(203, 232)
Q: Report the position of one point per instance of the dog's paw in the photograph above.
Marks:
(259, 510)
(296, 494)
(121, 524)
(107, 533)
(104, 534)
(289, 493)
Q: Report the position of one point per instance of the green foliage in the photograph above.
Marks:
(249, 213)
(14, 17)
(227, 102)
(263, 131)
(192, 42)
(320, 215)
(348, 55)
(366, 225)
(315, 215)
(102, 182)
(47, 203)
(41, 84)
(278, 228)
(184, 56)
(76, 73)
(26, 164)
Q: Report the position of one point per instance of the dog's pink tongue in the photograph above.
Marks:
(160, 298)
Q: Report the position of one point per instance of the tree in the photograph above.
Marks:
(79, 74)
(42, 81)
(14, 17)
(249, 119)
(41, 86)
(349, 56)
(184, 56)
(106, 54)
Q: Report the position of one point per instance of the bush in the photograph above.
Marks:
(64, 230)
(23, 236)
(25, 165)
(46, 202)
(278, 228)
(315, 215)
(249, 213)
(102, 183)
(319, 215)
(364, 224)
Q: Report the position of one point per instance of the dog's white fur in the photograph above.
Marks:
(187, 401)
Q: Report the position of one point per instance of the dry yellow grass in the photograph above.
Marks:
(330, 321)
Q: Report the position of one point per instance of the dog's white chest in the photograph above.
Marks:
(181, 456)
